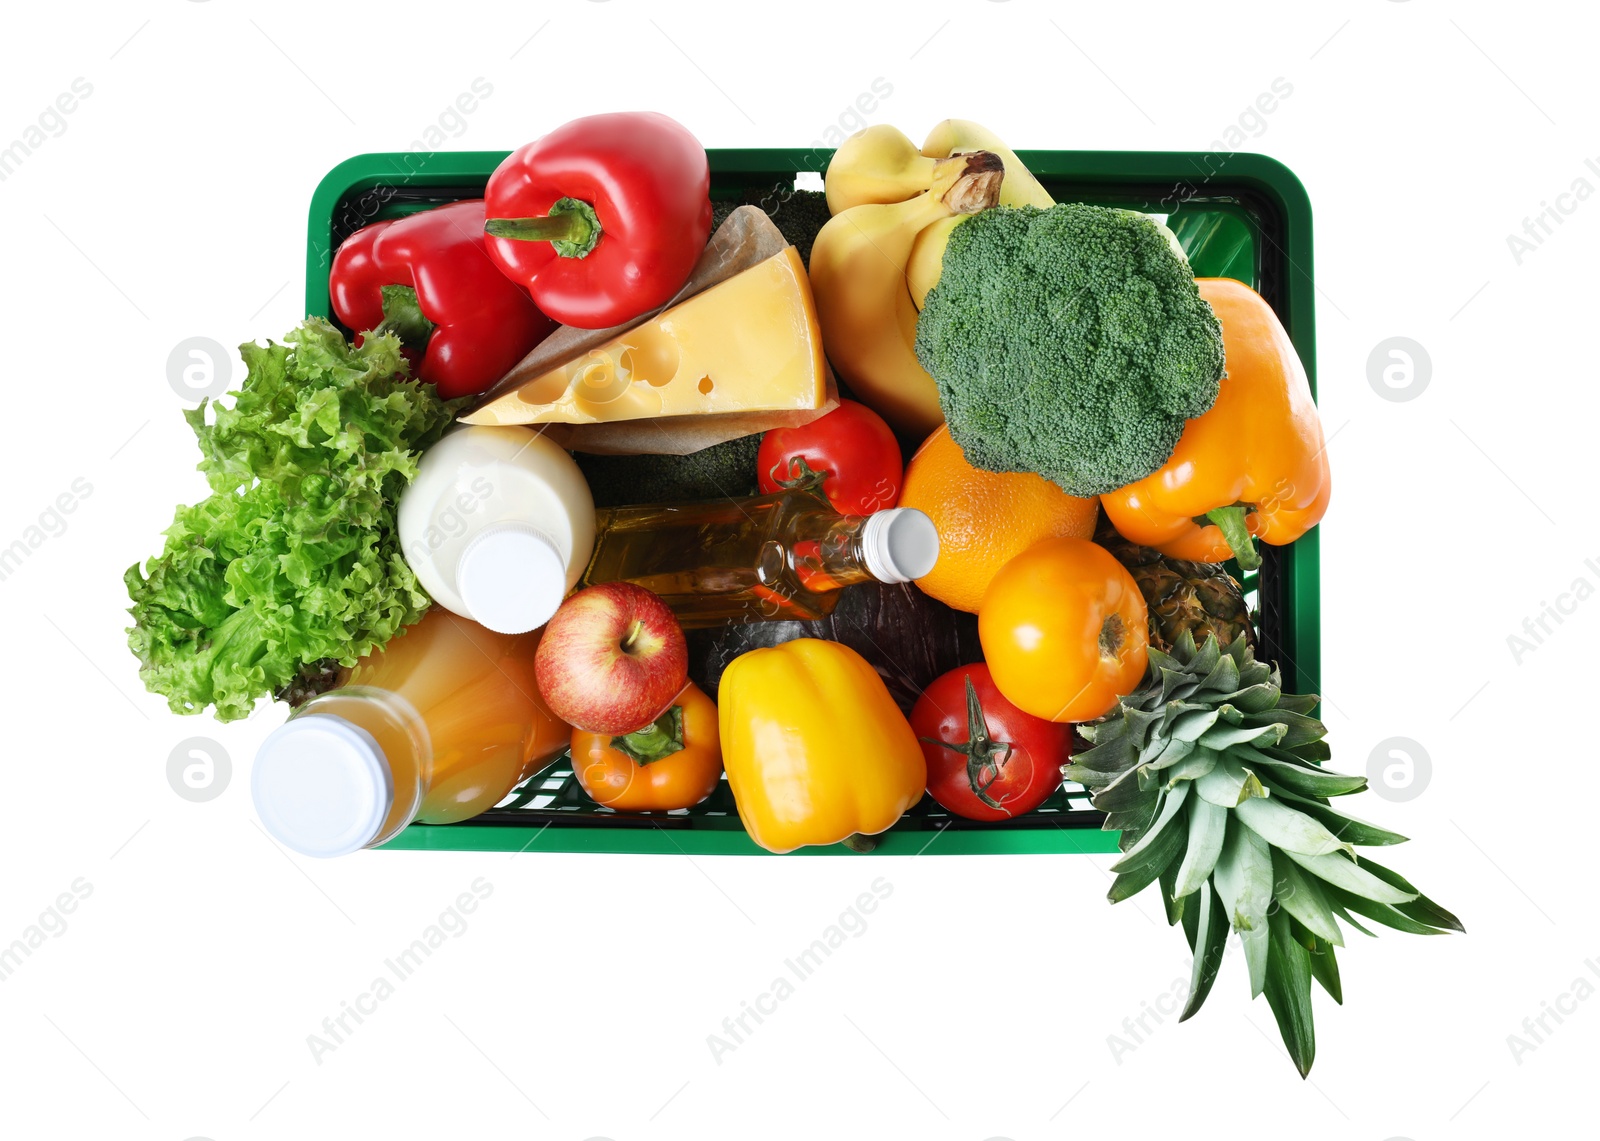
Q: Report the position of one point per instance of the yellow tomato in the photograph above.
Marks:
(1064, 630)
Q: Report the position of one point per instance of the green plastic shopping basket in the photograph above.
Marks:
(1255, 222)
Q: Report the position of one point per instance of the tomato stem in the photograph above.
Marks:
(801, 475)
(1113, 636)
(985, 757)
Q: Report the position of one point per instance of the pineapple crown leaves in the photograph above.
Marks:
(1214, 777)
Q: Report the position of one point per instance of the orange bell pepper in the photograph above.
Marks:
(1254, 465)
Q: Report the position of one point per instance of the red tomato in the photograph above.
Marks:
(987, 759)
(850, 450)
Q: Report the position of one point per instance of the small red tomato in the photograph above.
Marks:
(851, 452)
(987, 759)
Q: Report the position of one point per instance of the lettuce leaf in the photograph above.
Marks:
(294, 557)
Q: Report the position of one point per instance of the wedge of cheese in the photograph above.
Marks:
(749, 344)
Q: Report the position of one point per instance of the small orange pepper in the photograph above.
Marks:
(1255, 465)
(673, 763)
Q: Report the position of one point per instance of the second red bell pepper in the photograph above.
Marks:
(602, 219)
(426, 277)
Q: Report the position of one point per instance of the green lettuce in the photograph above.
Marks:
(294, 557)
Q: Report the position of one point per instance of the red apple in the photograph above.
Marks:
(612, 659)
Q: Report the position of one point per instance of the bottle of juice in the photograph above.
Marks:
(437, 726)
(497, 525)
(784, 555)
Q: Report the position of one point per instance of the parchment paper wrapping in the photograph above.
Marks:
(746, 239)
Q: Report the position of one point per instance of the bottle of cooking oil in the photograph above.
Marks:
(765, 557)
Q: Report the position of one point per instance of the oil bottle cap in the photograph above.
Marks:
(322, 785)
(512, 578)
(899, 544)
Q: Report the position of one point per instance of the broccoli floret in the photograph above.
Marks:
(722, 471)
(1070, 342)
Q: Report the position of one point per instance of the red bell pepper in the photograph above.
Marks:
(602, 219)
(426, 278)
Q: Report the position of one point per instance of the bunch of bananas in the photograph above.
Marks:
(893, 210)
(882, 251)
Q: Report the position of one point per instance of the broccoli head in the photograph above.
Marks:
(1068, 341)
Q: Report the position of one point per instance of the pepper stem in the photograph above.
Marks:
(1231, 522)
(403, 316)
(661, 738)
(572, 228)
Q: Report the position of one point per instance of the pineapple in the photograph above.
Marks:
(1214, 777)
(1202, 599)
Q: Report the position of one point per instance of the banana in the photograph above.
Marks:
(881, 165)
(878, 164)
(927, 257)
(858, 278)
(1020, 188)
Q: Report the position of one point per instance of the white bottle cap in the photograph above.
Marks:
(322, 785)
(899, 544)
(512, 578)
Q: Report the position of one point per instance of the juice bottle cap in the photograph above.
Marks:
(899, 544)
(512, 578)
(322, 785)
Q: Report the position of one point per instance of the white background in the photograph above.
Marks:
(980, 999)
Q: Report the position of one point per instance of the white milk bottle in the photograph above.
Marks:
(498, 526)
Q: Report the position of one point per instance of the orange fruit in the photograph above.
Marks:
(984, 518)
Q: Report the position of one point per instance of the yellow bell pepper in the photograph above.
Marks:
(815, 748)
